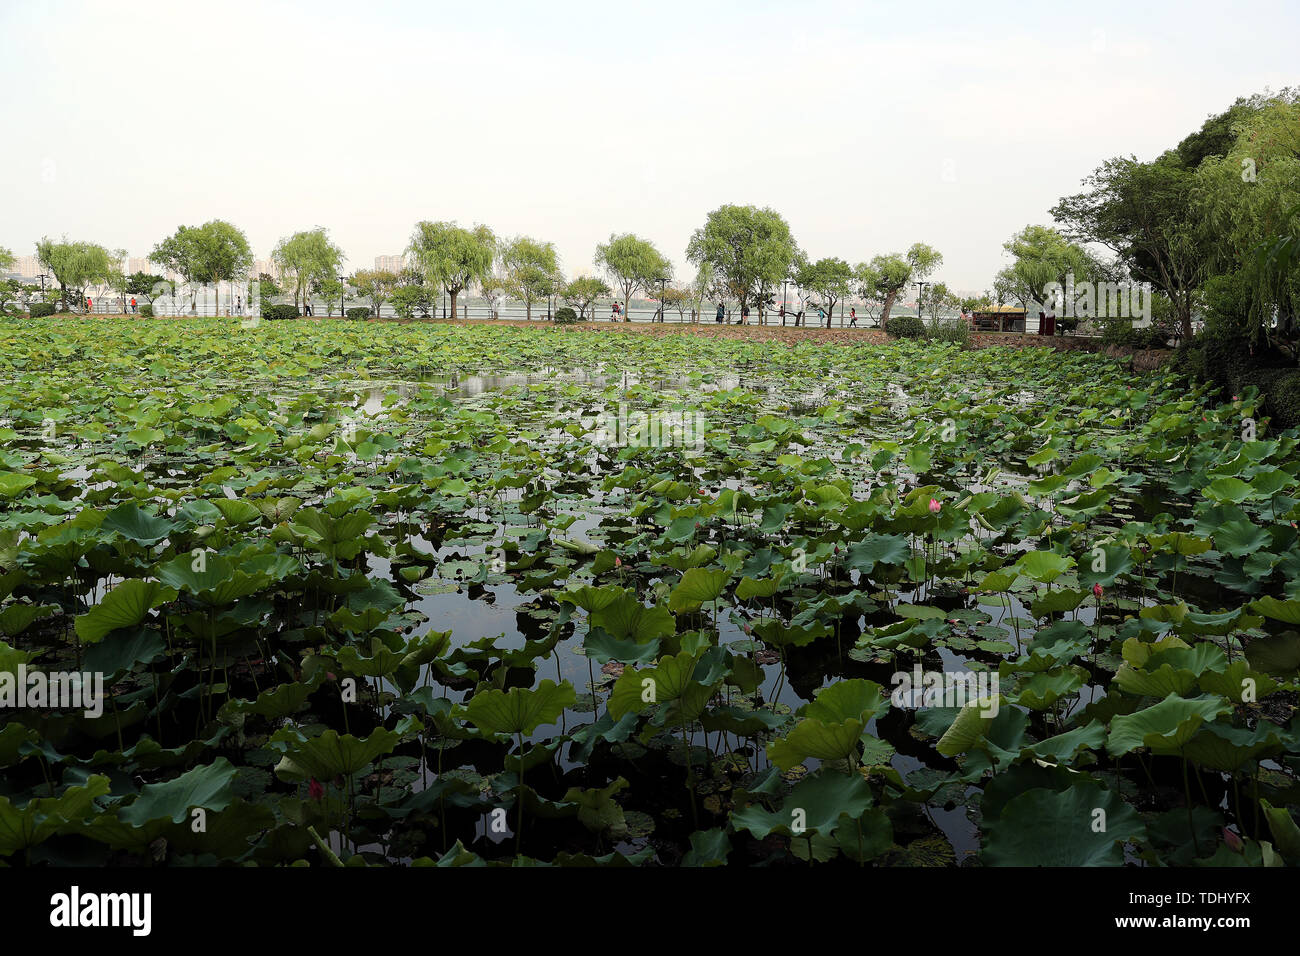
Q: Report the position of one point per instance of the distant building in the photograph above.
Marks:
(390, 263)
(28, 267)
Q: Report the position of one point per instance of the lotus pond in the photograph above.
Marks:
(402, 595)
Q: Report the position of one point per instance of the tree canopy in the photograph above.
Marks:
(452, 258)
(750, 250)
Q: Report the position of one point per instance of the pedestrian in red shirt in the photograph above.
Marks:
(89, 307)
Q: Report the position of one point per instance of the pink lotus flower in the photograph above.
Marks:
(934, 507)
(316, 789)
(1233, 840)
(618, 562)
(1097, 591)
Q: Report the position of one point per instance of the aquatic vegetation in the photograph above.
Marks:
(361, 592)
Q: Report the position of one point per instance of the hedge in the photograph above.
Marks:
(146, 311)
(358, 314)
(565, 316)
(279, 312)
(905, 327)
(42, 309)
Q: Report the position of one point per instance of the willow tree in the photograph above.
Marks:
(307, 257)
(1041, 257)
(74, 265)
(632, 264)
(893, 273)
(750, 250)
(532, 271)
(450, 257)
(214, 252)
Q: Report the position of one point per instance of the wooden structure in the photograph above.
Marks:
(998, 318)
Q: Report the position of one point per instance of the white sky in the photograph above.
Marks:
(868, 126)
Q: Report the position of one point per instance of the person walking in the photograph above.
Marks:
(721, 315)
(744, 315)
(133, 305)
(821, 314)
(89, 306)
(239, 305)
(853, 318)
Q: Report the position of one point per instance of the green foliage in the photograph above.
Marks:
(279, 312)
(40, 310)
(358, 314)
(565, 316)
(905, 327)
(146, 310)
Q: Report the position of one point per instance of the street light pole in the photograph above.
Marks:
(342, 291)
(785, 297)
(920, 293)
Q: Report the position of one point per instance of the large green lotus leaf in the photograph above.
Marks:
(627, 617)
(857, 698)
(1221, 746)
(13, 737)
(42, 817)
(698, 586)
(1045, 828)
(601, 647)
(1232, 490)
(741, 721)
(519, 710)
(761, 587)
(778, 633)
(1234, 681)
(123, 650)
(1277, 654)
(274, 703)
(1062, 748)
(664, 682)
(1240, 538)
(329, 755)
(1286, 835)
(1057, 601)
(16, 618)
(967, 729)
(131, 522)
(1043, 566)
(1160, 682)
(207, 787)
(124, 606)
(819, 739)
(1116, 559)
(215, 582)
(237, 511)
(380, 662)
(338, 538)
(887, 549)
(597, 809)
(1187, 545)
(13, 484)
(708, 848)
(1287, 612)
(821, 797)
(591, 599)
(1164, 727)
(1043, 689)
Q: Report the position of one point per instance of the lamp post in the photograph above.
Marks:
(343, 288)
(920, 293)
(663, 306)
(42, 277)
(785, 298)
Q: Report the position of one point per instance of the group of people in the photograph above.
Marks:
(134, 308)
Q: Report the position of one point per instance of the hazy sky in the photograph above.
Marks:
(869, 126)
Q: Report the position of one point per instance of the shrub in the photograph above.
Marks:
(358, 314)
(1284, 399)
(279, 312)
(956, 333)
(565, 316)
(41, 309)
(905, 327)
(146, 311)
